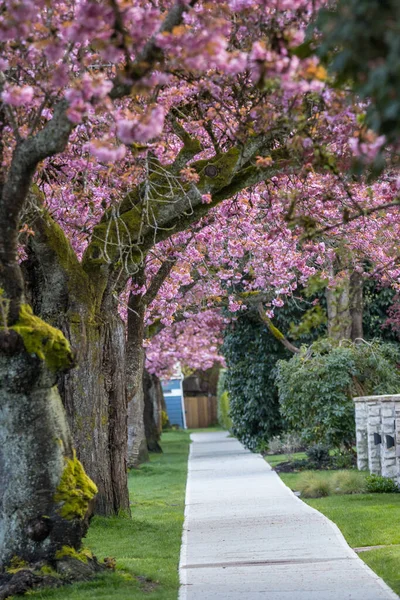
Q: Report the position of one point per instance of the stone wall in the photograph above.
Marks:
(377, 425)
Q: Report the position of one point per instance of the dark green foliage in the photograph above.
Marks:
(319, 455)
(251, 353)
(377, 302)
(316, 387)
(223, 404)
(344, 459)
(375, 484)
(361, 42)
(221, 383)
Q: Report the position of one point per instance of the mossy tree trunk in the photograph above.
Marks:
(345, 307)
(45, 496)
(338, 307)
(94, 393)
(153, 400)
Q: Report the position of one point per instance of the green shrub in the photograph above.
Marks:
(317, 385)
(375, 484)
(223, 402)
(344, 459)
(164, 420)
(348, 482)
(223, 411)
(313, 485)
(318, 455)
(221, 385)
(251, 354)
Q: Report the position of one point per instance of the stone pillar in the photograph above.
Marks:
(388, 455)
(374, 426)
(378, 414)
(361, 434)
(397, 439)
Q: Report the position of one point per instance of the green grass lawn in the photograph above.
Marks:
(275, 459)
(364, 520)
(147, 546)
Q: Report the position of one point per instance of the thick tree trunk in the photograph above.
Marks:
(338, 306)
(94, 394)
(45, 496)
(137, 446)
(345, 307)
(153, 396)
(356, 305)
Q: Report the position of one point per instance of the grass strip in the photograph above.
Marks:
(146, 547)
(276, 459)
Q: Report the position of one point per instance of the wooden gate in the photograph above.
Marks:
(201, 411)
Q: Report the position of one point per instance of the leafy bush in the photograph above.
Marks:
(317, 385)
(223, 402)
(164, 420)
(221, 385)
(344, 460)
(223, 411)
(319, 455)
(313, 485)
(251, 354)
(375, 484)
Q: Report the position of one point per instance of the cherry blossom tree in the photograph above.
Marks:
(122, 125)
(114, 215)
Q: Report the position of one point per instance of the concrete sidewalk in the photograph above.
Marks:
(247, 537)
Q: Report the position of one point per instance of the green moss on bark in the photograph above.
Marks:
(225, 165)
(75, 490)
(68, 552)
(40, 338)
(16, 564)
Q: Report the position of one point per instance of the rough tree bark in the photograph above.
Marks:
(94, 393)
(153, 397)
(137, 447)
(44, 492)
(345, 307)
(356, 305)
(338, 308)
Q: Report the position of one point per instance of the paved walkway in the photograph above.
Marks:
(247, 537)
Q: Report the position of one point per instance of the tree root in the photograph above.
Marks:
(67, 570)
